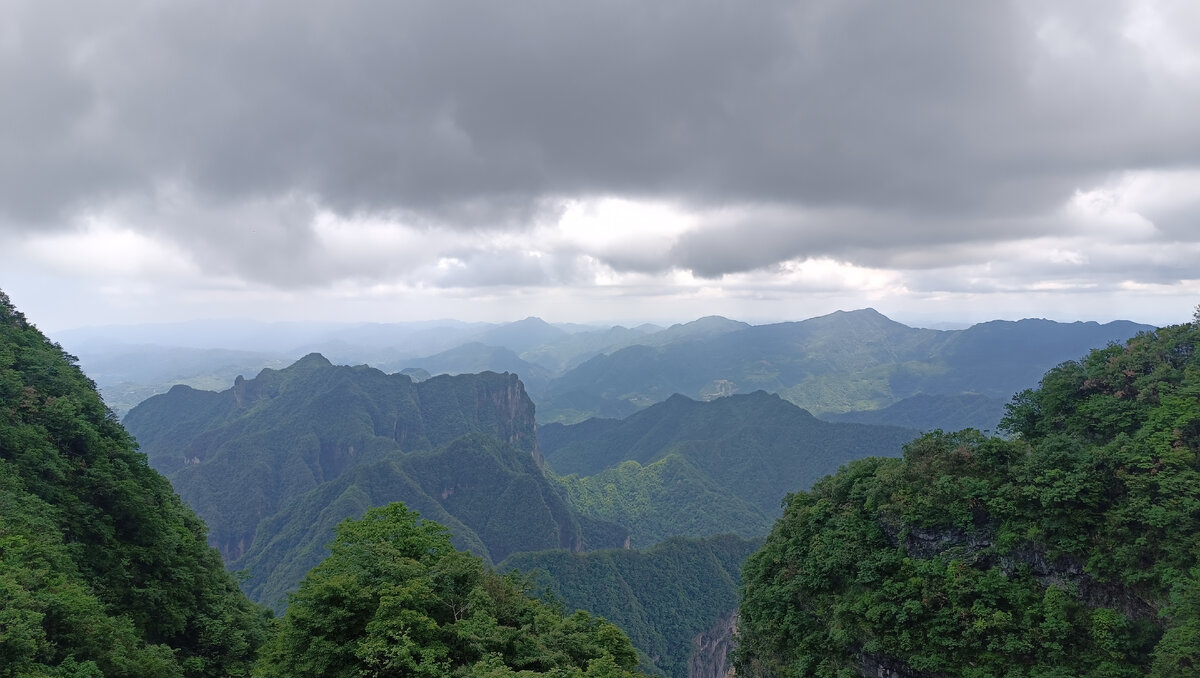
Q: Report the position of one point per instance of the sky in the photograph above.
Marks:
(620, 161)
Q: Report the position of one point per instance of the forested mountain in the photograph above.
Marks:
(924, 412)
(1067, 550)
(842, 362)
(275, 462)
(676, 600)
(103, 571)
(684, 467)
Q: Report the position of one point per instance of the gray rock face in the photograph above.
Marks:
(710, 653)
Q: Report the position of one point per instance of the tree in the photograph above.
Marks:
(395, 598)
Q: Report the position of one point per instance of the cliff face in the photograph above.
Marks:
(710, 649)
(275, 461)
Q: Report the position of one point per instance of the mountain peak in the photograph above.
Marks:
(312, 361)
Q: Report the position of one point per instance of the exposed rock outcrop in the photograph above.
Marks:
(710, 653)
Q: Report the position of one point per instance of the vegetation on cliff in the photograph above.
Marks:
(103, 571)
(1070, 549)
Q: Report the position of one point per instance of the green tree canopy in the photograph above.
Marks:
(395, 598)
(1070, 548)
(103, 570)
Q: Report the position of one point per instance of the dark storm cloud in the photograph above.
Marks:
(870, 125)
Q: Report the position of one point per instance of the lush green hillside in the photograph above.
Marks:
(842, 362)
(275, 462)
(684, 467)
(103, 571)
(395, 599)
(663, 597)
(1071, 549)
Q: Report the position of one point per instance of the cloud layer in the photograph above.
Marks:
(427, 145)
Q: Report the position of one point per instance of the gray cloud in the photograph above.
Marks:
(872, 129)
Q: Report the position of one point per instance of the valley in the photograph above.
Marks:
(645, 518)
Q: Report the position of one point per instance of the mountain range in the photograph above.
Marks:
(847, 366)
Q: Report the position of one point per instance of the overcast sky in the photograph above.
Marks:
(605, 161)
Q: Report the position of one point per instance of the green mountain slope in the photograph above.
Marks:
(275, 462)
(683, 467)
(663, 597)
(842, 362)
(103, 571)
(1068, 550)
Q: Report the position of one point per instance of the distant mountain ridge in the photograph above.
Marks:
(847, 361)
(842, 362)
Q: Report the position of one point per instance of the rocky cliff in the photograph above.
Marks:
(710, 649)
(273, 463)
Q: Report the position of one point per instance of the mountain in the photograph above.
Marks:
(103, 571)
(923, 412)
(685, 467)
(274, 463)
(522, 335)
(668, 598)
(1068, 549)
(571, 350)
(477, 357)
(842, 362)
(707, 327)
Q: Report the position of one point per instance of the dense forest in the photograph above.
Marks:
(103, 570)
(394, 598)
(1068, 548)
(105, 573)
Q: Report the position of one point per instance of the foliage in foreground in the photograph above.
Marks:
(103, 571)
(394, 598)
(1070, 550)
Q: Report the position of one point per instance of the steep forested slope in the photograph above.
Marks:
(103, 571)
(664, 597)
(684, 467)
(1071, 549)
(275, 462)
